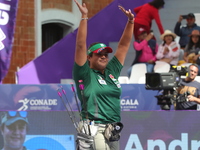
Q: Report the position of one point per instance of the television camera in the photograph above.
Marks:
(168, 83)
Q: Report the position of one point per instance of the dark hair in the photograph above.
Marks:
(157, 3)
(191, 43)
(165, 42)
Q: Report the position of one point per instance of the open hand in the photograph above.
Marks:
(128, 13)
(83, 9)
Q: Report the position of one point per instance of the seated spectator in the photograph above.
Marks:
(185, 30)
(146, 49)
(192, 50)
(169, 50)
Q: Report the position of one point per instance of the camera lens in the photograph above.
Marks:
(117, 127)
(153, 80)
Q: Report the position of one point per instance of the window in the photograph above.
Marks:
(51, 33)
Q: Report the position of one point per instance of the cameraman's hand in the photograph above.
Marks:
(192, 98)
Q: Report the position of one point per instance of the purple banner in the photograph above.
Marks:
(8, 10)
(50, 97)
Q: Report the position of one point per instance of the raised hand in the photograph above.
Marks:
(128, 13)
(83, 9)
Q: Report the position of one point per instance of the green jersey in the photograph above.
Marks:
(101, 91)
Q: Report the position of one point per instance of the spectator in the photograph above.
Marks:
(186, 30)
(192, 50)
(168, 51)
(146, 49)
(14, 129)
(145, 14)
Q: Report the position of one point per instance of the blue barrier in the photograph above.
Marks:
(44, 97)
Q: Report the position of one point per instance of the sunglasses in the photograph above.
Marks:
(102, 54)
(12, 114)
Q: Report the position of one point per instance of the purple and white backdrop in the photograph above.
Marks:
(106, 26)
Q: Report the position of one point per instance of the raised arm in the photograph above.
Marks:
(81, 47)
(125, 40)
(177, 28)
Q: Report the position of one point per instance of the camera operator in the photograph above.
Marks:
(189, 91)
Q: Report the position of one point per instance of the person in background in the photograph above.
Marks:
(145, 14)
(100, 78)
(146, 49)
(192, 49)
(183, 31)
(13, 129)
(189, 91)
(169, 50)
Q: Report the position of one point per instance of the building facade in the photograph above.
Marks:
(40, 24)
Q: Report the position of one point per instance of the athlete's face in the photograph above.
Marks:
(14, 135)
(99, 61)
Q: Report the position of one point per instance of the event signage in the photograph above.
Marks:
(8, 11)
(45, 97)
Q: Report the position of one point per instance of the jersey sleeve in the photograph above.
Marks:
(115, 67)
(80, 72)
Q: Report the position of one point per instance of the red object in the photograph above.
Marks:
(140, 31)
(144, 16)
(175, 49)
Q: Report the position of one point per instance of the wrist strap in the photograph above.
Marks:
(130, 21)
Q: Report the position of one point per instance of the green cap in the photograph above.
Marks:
(97, 48)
